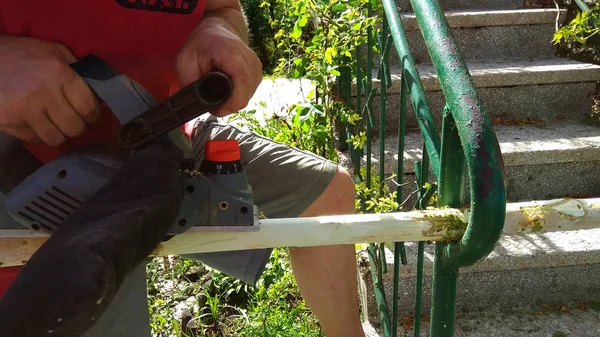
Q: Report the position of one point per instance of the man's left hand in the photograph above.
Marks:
(218, 43)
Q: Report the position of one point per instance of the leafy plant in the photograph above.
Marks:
(317, 40)
(259, 15)
(580, 38)
(303, 127)
(377, 197)
(313, 39)
(277, 308)
(224, 306)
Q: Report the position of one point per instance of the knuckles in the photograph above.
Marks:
(52, 65)
(89, 109)
(75, 129)
(55, 139)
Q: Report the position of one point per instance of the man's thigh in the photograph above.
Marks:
(285, 182)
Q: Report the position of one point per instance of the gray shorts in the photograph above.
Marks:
(285, 181)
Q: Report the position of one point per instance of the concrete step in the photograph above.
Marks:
(571, 319)
(447, 5)
(536, 89)
(546, 160)
(491, 34)
(523, 270)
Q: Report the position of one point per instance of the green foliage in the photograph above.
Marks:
(259, 16)
(315, 40)
(304, 127)
(318, 40)
(224, 306)
(377, 197)
(580, 38)
(276, 307)
(580, 29)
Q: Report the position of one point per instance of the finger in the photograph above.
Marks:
(188, 68)
(45, 129)
(220, 112)
(255, 67)
(79, 96)
(63, 115)
(243, 87)
(65, 52)
(24, 133)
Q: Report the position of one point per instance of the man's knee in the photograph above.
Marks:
(344, 185)
(337, 198)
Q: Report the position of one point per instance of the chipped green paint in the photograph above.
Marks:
(418, 99)
(468, 147)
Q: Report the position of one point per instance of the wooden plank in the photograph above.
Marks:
(16, 246)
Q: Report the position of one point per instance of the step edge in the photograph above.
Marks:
(498, 77)
(584, 149)
(522, 262)
(492, 18)
(515, 260)
(494, 77)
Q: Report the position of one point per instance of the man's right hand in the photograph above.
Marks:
(41, 97)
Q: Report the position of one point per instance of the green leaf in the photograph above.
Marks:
(298, 72)
(297, 31)
(558, 36)
(322, 135)
(334, 72)
(339, 8)
(303, 20)
(317, 109)
(330, 53)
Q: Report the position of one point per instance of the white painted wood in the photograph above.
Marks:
(16, 246)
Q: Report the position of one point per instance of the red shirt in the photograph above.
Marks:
(138, 37)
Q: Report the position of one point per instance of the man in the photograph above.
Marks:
(164, 45)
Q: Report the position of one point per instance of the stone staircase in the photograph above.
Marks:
(541, 106)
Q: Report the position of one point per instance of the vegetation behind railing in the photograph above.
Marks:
(337, 44)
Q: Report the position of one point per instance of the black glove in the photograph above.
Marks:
(71, 280)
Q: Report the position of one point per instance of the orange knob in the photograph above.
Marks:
(222, 151)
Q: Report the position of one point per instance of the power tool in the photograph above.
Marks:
(218, 196)
(108, 206)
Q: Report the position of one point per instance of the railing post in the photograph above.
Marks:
(443, 296)
(468, 147)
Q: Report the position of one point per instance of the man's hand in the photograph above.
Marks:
(220, 43)
(41, 97)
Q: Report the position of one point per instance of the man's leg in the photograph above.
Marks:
(292, 183)
(326, 276)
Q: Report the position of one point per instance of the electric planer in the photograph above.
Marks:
(217, 193)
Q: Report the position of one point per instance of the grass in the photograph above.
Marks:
(186, 296)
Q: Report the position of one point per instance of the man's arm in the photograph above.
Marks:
(228, 13)
(220, 42)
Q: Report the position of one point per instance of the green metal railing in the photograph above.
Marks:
(467, 151)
